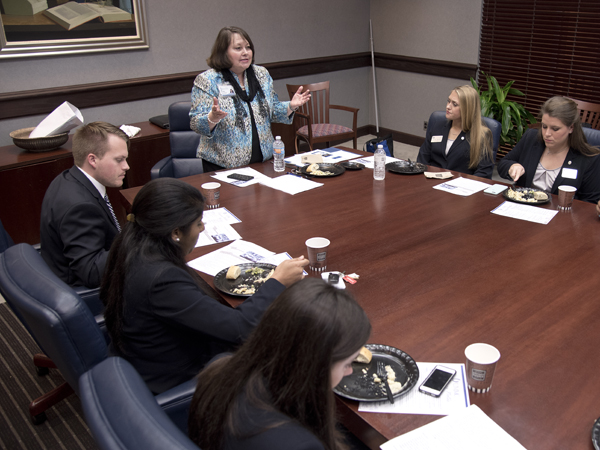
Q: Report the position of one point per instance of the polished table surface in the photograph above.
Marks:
(439, 272)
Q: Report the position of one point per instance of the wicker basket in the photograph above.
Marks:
(42, 144)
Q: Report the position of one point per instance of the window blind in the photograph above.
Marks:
(549, 47)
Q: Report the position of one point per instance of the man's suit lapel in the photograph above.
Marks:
(83, 180)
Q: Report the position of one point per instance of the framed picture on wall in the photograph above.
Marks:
(31, 28)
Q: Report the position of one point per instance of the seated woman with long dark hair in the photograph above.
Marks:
(276, 391)
(556, 154)
(157, 315)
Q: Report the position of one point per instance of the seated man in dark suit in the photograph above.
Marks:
(78, 223)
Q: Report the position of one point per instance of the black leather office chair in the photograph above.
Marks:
(494, 126)
(5, 239)
(592, 136)
(184, 144)
(122, 413)
(62, 325)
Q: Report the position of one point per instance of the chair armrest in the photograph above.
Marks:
(176, 403)
(163, 168)
(345, 108)
(349, 109)
(309, 120)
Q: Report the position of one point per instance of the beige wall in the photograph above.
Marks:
(432, 29)
(182, 32)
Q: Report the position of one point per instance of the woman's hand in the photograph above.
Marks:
(598, 208)
(215, 115)
(290, 271)
(516, 171)
(299, 99)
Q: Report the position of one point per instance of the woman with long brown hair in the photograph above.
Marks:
(276, 390)
(556, 154)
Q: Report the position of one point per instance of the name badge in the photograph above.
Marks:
(569, 173)
(437, 138)
(226, 90)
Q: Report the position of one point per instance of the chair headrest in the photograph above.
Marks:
(56, 317)
(179, 116)
(123, 414)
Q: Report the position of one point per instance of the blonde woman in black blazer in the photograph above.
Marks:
(462, 143)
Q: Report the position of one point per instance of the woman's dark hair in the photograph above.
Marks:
(218, 58)
(160, 207)
(565, 110)
(284, 366)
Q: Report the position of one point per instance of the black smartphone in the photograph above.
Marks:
(437, 380)
(239, 176)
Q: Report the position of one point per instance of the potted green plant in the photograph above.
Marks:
(515, 119)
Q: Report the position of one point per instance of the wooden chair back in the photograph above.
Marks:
(590, 113)
(318, 105)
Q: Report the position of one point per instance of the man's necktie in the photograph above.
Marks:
(112, 212)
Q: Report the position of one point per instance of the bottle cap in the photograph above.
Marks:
(278, 138)
(379, 146)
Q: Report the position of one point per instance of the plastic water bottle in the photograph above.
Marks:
(278, 155)
(379, 167)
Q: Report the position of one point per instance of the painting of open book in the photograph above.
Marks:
(49, 27)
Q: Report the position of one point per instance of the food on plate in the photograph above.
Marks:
(364, 356)
(395, 386)
(233, 272)
(527, 195)
(313, 169)
(251, 280)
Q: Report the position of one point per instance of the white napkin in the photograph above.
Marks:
(130, 130)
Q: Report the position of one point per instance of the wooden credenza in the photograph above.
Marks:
(25, 176)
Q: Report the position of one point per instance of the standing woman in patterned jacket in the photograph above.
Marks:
(233, 105)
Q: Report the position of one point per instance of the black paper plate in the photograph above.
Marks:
(228, 286)
(335, 170)
(406, 168)
(596, 434)
(528, 191)
(351, 165)
(360, 385)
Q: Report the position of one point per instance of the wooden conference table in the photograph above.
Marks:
(439, 272)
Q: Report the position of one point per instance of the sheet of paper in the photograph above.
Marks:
(455, 397)
(217, 227)
(222, 215)
(462, 186)
(238, 252)
(215, 232)
(369, 161)
(290, 184)
(468, 429)
(222, 176)
(525, 212)
(329, 155)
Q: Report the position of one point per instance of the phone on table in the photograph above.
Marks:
(437, 380)
(239, 176)
(495, 189)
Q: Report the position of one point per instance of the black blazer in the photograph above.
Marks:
(171, 328)
(290, 435)
(76, 229)
(528, 152)
(458, 157)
